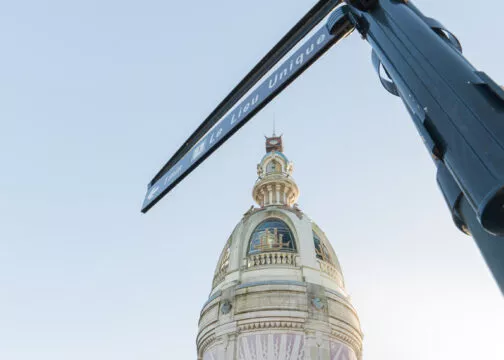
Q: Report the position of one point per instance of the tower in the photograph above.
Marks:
(278, 291)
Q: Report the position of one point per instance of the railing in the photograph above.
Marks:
(331, 271)
(219, 277)
(271, 258)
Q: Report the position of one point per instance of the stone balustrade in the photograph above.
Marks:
(331, 271)
(271, 258)
(219, 277)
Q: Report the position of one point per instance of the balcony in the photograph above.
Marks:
(271, 258)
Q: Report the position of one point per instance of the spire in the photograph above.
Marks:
(275, 185)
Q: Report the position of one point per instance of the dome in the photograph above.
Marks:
(278, 290)
(278, 235)
(282, 155)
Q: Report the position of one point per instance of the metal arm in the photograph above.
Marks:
(458, 111)
(490, 246)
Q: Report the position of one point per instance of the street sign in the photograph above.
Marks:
(298, 32)
(457, 109)
(281, 77)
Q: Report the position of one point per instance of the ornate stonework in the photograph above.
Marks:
(223, 264)
(275, 185)
(278, 291)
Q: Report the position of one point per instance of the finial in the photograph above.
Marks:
(274, 125)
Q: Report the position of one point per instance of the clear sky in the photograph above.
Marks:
(96, 95)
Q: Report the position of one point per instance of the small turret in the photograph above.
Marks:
(275, 185)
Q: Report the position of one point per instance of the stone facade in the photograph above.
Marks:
(278, 291)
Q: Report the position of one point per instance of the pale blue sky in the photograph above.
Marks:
(96, 95)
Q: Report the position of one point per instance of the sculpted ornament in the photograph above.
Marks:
(260, 170)
(226, 307)
(318, 303)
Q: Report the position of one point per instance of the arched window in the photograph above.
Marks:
(273, 167)
(223, 264)
(272, 235)
(321, 250)
(224, 260)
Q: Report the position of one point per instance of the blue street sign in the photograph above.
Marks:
(284, 74)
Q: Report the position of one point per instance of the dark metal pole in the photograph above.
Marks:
(458, 112)
(490, 246)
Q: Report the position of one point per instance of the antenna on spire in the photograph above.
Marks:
(274, 125)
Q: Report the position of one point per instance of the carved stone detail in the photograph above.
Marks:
(271, 301)
(356, 345)
(331, 271)
(206, 343)
(271, 258)
(270, 325)
(226, 307)
(209, 316)
(219, 277)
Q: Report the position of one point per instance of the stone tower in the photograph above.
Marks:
(278, 291)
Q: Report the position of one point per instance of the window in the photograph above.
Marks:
(272, 235)
(321, 250)
(273, 167)
(223, 263)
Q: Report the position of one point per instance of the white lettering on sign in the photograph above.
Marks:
(241, 110)
(173, 174)
(321, 39)
(198, 150)
(153, 192)
(310, 49)
(286, 70)
(215, 135)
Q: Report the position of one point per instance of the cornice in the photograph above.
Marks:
(261, 325)
(356, 345)
(292, 209)
(203, 345)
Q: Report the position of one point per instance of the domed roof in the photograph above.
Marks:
(278, 153)
(278, 285)
(277, 235)
(283, 237)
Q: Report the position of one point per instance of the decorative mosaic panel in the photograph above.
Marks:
(272, 235)
(322, 250)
